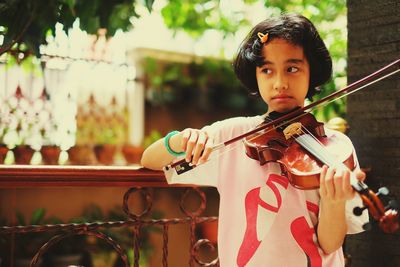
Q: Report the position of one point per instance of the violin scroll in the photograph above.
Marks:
(386, 217)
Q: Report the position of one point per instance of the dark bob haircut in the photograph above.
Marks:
(297, 30)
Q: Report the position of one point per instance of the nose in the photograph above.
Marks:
(281, 82)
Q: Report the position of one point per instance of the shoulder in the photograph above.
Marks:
(229, 128)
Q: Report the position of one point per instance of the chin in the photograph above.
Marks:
(284, 109)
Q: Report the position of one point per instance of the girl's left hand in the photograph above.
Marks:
(335, 184)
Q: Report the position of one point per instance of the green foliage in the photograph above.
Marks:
(151, 138)
(35, 18)
(209, 86)
(195, 17)
(123, 235)
(29, 243)
(36, 218)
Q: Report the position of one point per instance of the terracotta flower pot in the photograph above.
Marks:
(23, 154)
(81, 155)
(105, 153)
(3, 153)
(132, 154)
(50, 154)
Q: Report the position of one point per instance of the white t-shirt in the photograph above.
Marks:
(263, 219)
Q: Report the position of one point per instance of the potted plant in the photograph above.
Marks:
(125, 236)
(133, 153)
(102, 254)
(81, 153)
(3, 145)
(106, 141)
(69, 251)
(22, 149)
(17, 127)
(50, 148)
(28, 244)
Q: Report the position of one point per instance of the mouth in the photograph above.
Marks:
(281, 97)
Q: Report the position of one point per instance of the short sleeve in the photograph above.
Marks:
(207, 174)
(355, 223)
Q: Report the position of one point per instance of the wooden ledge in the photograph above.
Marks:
(79, 176)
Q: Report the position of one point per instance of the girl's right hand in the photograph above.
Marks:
(197, 144)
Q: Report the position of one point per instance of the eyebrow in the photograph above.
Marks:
(290, 60)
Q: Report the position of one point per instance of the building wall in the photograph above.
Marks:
(374, 117)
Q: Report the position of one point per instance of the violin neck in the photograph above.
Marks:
(312, 145)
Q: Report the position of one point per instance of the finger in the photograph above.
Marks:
(338, 184)
(329, 185)
(322, 187)
(360, 175)
(207, 150)
(201, 141)
(185, 138)
(347, 189)
(191, 144)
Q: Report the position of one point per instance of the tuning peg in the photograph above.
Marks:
(383, 191)
(367, 226)
(359, 210)
(393, 204)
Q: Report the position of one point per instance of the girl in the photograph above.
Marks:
(263, 219)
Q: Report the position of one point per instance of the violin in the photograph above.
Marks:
(297, 141)
(302, 148)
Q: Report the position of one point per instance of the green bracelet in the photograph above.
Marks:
(169, 149)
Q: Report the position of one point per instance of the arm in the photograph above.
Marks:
(335, 190)
(196, 143)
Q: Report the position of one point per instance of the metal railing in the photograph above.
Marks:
(139, 180)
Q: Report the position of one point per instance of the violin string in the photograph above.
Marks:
(328, 156)
(256, 135)
(374, 204)
(319, 106)
(238, 144)
(316, 146)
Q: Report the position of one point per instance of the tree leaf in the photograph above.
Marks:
(149, 4)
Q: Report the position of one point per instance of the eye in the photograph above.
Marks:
(293, 69)
(266, 71)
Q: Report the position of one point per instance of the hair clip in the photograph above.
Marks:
(263, 37)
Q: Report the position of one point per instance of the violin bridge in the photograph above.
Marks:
(292, 130)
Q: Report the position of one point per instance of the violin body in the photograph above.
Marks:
(299, 166)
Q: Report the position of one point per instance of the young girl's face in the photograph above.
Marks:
(284, 77)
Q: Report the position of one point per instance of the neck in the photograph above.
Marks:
(273, 115)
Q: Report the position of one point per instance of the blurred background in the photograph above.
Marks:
(95, 82)
(116, 76)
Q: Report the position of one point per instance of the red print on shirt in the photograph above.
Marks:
(304, 234)
(252, 203)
